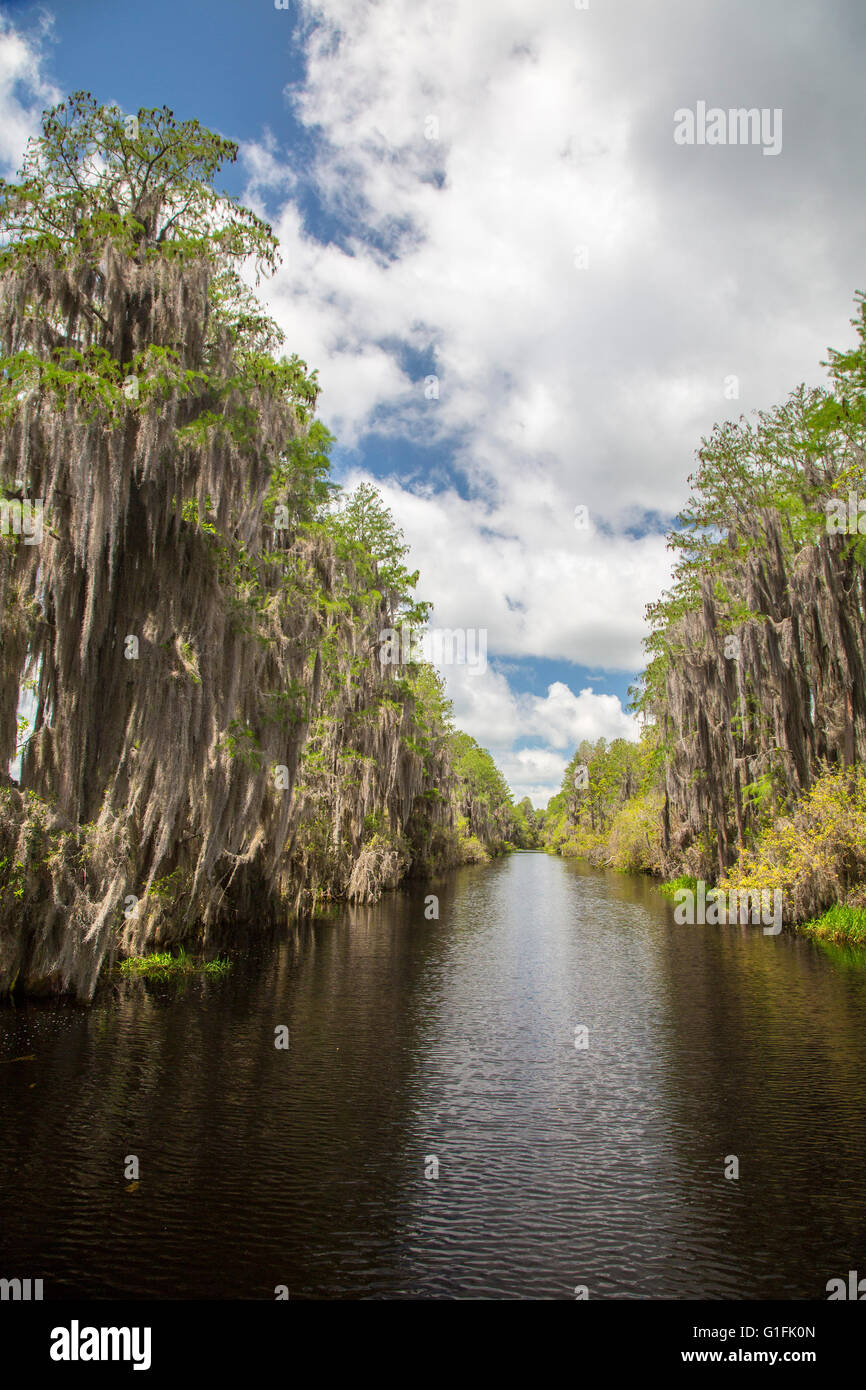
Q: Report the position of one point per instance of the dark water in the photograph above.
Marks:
(412, 1038)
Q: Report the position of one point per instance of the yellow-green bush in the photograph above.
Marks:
(634, 842)
(472, 851)
(817, 856)
(583, 843)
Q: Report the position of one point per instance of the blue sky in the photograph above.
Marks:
(490, 195)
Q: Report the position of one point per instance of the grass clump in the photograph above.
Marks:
(674, 885)
(160, 964)
(217, 967)
(839, 923)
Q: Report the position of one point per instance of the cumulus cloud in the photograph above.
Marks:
(509, 201)
(24, 91)
(550, 726)
(502, 200)
(554, 133)
(519, 569)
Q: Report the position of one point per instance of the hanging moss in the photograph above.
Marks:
(212, 728)
(757, 678)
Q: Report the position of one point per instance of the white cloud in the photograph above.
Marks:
(558, 385)
(606, 376)
(488, 709)
(517, 568)
(24, 92)
(565, 718)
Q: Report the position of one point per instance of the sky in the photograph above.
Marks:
(527, 300)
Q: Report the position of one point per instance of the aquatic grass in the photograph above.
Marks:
(674, 885)
(162, 963)
(839, 923)
(217, 967)
(157, 963)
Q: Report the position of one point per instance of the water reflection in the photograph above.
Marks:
(453, 1039)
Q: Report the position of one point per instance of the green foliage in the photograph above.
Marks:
(526, 825)
(160, 965)
(87, 185)
(609, 808)
(756, 661)
(672, 886)
(217, 967)
(366, 534)
(181, 460)
(300, 481)
(482, 795)
(839, 923)
(470, 849)
(817, 855)
(634, 840)
(85, 181)
(241, 742)
(783, 463)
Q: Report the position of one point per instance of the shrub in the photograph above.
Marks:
(471, 851)
(634, 842)
(817, 856)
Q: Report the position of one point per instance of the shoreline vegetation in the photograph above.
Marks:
(757, 675)
(812, 851)
(162, 964)
(193, 698)
(750, 772)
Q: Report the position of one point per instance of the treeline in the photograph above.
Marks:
(608, 810)
(487, 818)
(754, 696)
(192, 698)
